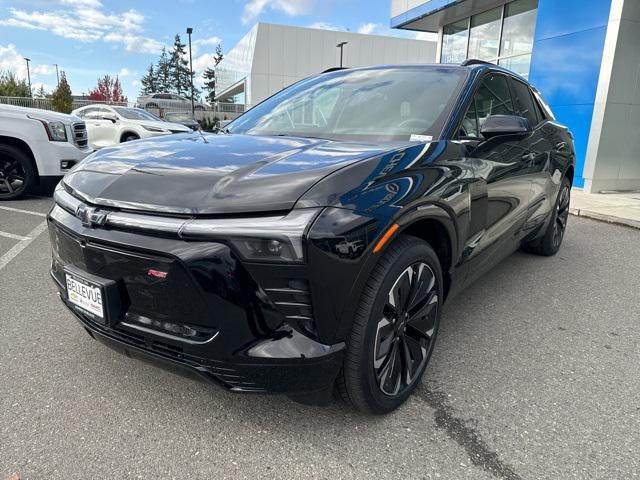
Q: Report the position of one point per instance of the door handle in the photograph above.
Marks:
(561, 146)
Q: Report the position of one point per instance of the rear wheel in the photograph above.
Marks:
(395, 328)
(550, 242)
(128, 137)
(17, 173)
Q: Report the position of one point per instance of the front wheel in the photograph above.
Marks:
(17, 173)
(395, 328)
(129, 137)
(551, 240)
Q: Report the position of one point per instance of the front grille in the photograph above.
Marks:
(143, 295)
(80, 136)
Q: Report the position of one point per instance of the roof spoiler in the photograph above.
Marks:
(474, 61)
(334, 69)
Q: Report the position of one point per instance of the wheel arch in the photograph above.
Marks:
(569, 174)
(124, 133)
(23, 147)
(434, 231)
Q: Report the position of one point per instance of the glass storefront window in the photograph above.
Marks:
(519, 64)
(519, 27)
(503, 35)
(484, 37)
(454, 42)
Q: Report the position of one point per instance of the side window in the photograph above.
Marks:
(492, 98)
(524, 102)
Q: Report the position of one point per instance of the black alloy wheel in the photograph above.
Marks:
(551, 240)
(562, 215)
(395, 328)
(16, 172)
(405, 331)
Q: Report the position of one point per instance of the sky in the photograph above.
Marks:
(91, 38)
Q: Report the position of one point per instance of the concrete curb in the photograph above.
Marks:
(604, 217)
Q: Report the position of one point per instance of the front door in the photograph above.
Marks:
(501, 196)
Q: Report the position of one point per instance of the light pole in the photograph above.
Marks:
(57, 74)
(189, 32)
(341, 47)
(29, 76)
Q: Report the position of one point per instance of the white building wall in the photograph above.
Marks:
(613, 154)
(282, 55)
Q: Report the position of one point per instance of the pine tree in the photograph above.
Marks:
(179, 72)
(163, 73)
(10, 86)
(209, 75)
(41, 93)
(61, 99)
(149, 82)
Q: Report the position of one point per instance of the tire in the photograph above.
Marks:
(549, 243)
(17, 173)
(377, 375)
(129, 137)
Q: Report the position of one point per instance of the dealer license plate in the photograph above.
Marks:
(85, 294)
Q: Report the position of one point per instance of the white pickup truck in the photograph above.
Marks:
(35, 144)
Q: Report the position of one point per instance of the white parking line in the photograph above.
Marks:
(19, 210)
(22, 244)
(12, 235)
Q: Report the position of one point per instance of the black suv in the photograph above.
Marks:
(309, 247)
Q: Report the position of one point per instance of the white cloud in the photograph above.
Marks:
(124, 72)
(328, 26)
(83, 3)
(12, 60)
(208, 41)
(292, 8)
(368, 28)
(43, 70)
(86, 21)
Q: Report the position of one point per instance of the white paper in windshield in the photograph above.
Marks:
(420, 138)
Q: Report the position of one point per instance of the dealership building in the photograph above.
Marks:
(270, 57)
(583, 55)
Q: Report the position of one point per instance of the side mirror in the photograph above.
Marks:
(504, 125)
(108, 116)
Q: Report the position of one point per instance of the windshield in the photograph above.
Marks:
(136, 114)
(387, 103)
(178, 117)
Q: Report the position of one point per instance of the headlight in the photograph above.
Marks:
(259, 239)
(56, 131)
(154, 129)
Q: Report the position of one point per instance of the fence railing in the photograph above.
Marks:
(219, 110)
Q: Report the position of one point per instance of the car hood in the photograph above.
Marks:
(211, 174)
(163, 125)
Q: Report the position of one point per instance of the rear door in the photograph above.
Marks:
(501, 195)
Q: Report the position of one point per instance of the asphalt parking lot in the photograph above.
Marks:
(536, 375)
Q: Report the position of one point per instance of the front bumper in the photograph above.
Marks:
(243, 341)
(50, 155)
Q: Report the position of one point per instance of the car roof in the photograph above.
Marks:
(475, 66)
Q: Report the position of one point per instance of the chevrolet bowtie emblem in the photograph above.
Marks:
(91, 217)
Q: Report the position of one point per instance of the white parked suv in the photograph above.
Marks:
(35, 144)
(107, 125)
